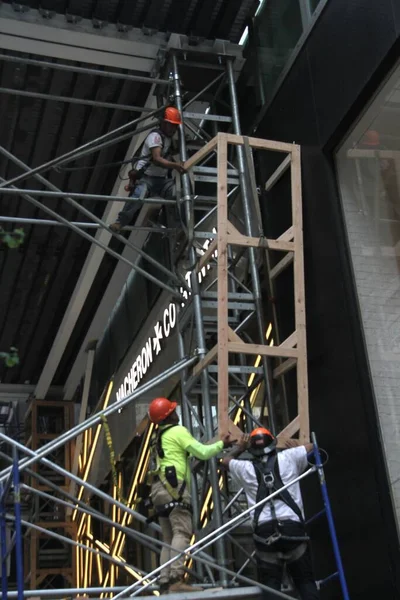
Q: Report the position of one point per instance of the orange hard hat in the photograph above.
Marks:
(172, 115)
(261, 437)
(160, 409)
(371, 138)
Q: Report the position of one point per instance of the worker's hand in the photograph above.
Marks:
(244, 442)
(228, 441)
(180, 168)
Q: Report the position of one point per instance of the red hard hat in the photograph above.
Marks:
(261, 437)
(160, 409)
(371, 138)
(172, 115)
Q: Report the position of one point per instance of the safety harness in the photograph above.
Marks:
(157, 452)
(136, 174)
(269, 481)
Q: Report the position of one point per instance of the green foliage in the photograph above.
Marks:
(10, 358)
(12, 239)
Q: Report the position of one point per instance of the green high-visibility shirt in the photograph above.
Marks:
(178, 444)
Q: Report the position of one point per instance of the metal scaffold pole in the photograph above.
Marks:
(97, 417)
(248, 208)
(187, 201)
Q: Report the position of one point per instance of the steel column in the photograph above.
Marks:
(18, 529)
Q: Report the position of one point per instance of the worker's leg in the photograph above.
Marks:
(182, 529)
(165, 554)
(269, 574)
(168, 190)
(302, 573)
(131, 209)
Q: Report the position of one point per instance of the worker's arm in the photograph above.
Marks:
(163, 162)
(206, 451)
(296, 443)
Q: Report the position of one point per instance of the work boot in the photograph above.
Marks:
(116, 227)
(178, 585)
(164, 587)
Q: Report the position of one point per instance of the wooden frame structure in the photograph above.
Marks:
(292, 352)
(44, 421)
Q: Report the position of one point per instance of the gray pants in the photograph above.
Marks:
(146, 187)
(177, 529)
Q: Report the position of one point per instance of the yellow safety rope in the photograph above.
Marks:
(114, 473)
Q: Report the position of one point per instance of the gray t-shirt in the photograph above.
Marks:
(154, 140)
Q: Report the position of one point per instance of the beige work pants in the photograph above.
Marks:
(176, 531)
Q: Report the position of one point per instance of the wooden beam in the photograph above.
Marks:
(299, 298)
(276, 175)
(234, 431)
(287, 235)
(290, 429)
(222, 291)
(243, 348)
(233, 337)
(290, 342)
(200, 154)
(253, 242)
(207, 255)
(284, 367)
(281, 265)
(260, 143)
(204, 362)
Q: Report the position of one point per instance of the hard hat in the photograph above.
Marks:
(371, 138)
(172, 115)
(160, 409)
(262, 441)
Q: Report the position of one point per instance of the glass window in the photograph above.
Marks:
(368, 166)
(278, 26)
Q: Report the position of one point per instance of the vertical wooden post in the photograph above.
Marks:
(222, 270)
(299, 297)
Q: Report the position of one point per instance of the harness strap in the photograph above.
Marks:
(160, 453)
(269, 481)
(164, 152)
(277, 558)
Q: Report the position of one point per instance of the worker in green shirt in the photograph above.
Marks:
(172, 446)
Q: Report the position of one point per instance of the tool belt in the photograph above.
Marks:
(164, 510)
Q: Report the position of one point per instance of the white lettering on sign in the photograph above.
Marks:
(162, 330)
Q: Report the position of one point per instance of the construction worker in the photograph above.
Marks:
(149, 175)
(172, 446)
(278, 525)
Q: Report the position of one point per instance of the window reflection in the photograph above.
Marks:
(369, 178)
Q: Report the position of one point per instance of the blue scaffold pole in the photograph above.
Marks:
(329, 516)
(3, 541)
(19, 561)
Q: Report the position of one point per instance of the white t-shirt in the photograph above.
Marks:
(154, 140)
(291, 464)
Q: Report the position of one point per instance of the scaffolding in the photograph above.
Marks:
(234, 365)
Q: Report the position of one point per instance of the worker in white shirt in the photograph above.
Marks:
(279, 530)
